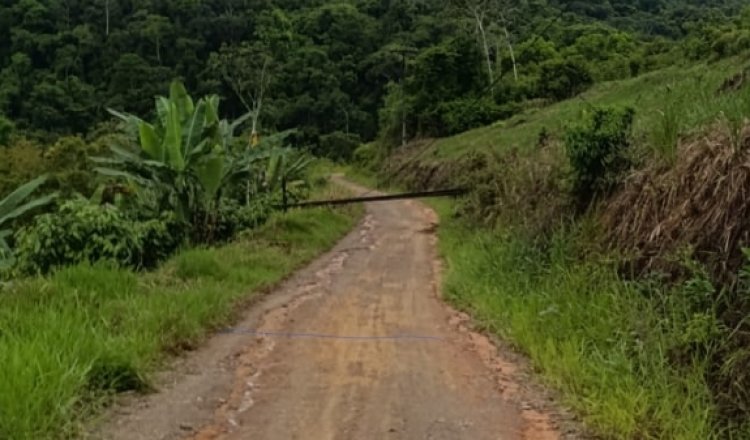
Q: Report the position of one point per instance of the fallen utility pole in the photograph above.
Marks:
(382, 198)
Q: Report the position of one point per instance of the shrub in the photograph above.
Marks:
(67, 162)
(563, 79)
(731, 43)
(598, 151)
(367, 156)
(664, 131)
(159, 238)
(84, 232)
(466, 113)
(232, 218)
(338, 145)
(22, 160)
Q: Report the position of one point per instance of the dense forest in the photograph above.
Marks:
(328, 68)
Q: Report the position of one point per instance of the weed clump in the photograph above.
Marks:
(598, 151)
(702, 202)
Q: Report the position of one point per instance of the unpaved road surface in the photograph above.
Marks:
(356, 346)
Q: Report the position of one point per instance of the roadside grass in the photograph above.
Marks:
(605, 343)
(631, 357)
(70, 341)
(599, 340)
(687, 95)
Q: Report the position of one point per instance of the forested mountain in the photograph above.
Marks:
(328, 67)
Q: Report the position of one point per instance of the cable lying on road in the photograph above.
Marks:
(239, 331)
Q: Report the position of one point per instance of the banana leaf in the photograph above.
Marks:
(13, 205)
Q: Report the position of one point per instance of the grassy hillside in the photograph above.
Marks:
(688, 91)
(639, 349)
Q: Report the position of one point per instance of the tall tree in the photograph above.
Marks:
(247, 69)
(491, 20)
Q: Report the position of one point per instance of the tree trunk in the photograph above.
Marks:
(486, 50)
(258, 100)
(254, 118)
(498, 57)
(158, 50)
(512, 53)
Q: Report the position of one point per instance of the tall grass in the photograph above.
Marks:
(736, 111)
(691, 103)
(602, 341)
(68, 342)
(664, 134)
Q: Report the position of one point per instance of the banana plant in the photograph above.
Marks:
(283, 164)
(284, 167)
(14, 206)
(185, 156)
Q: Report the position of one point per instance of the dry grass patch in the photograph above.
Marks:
(700, 207)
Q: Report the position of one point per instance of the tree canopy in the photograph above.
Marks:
(329, 66)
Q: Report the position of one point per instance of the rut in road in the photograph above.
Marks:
(357, 346)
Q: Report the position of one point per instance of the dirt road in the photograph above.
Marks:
(356, 346)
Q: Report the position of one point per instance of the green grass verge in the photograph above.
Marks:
(597, 339)
(70, 341)
(604, 343)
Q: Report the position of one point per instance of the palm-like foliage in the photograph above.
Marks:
(285, 167)
(14, 206)
(185, 162)
(185, 158)
(284, 164)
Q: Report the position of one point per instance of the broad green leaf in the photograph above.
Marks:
(197, 152)
(212, 110)
(156, 164)
(179, 97)
(110, 172)
(28, 206)
(195, 127)
(173, 139)
(238, 122)
(11, 202)
(150, 142)
(210, 172)
(131, 121)
(162, 110)
(274, 170)
(125, 117)
(224, 135)
(124, 154)
(297, 167)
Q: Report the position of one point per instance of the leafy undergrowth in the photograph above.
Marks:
(599, 340)
(70, 341)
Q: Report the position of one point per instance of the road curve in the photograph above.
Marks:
(356, 346)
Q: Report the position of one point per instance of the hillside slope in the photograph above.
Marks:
(633, 300)
(692, 90)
